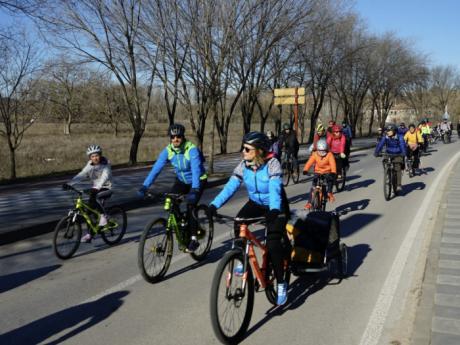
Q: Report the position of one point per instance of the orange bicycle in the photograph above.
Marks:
(232, 290)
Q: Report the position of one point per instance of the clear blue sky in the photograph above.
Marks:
(432, 25)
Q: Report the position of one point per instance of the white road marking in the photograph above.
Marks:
(373, 331)
(134, 279)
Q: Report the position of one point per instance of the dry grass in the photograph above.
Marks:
(45, 150)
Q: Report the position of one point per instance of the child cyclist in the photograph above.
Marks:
(324, 163)
(99, 171)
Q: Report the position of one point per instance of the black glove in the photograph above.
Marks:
(212, 211)
(192, 197)
(66, 186)
(305, 173)
(141, 192)
(92, 191)
(272, 215)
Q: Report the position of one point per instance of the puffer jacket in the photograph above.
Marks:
(100, 174)
(336, 145)
(394, 145)
(264, 184)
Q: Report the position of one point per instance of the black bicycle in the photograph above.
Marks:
(156, 242)
(319, 194)
(290, 167)
(389, 176)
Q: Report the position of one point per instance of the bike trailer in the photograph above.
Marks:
(315, 238)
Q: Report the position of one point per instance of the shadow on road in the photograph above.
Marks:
(360, 184)
(353, 177)
(297, 198)
(425, 171)
(359, 155)
(356, 222)
(84, 316)
(352, 206)
(13, 280)
(408, 188)
(356, 256)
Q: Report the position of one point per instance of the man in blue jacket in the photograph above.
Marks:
(396, 147)
(191, 176)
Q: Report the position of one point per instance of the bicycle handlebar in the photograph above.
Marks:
(239, 219)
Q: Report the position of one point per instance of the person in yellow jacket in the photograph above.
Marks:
(425, 130)
(414, 140)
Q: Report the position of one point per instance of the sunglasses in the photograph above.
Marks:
(176, 136)
(336, 131)
(247, 149)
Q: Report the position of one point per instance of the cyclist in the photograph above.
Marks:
(320, 134)
(274, 144)
(261, 174)
(426, 131)
(329, 127)
(445, 128)
(191, 177)
(402, 129)
(337, 144)
(395, 146)
(99, 171)
(324, 163)
(288, 142)
(413, 140)
(346, 130)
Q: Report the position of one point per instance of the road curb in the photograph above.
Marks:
(46, 227)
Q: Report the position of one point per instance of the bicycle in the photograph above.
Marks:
(412, 161)
(290, 167)
(389, 176)
(238, 290)
(340, 182)
(232, 294)
(68, 231)
(319, 194)
(156, 242)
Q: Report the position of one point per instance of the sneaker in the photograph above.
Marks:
(398, 188)
(103, 220)
(308, 206)
(86, 239)
(339, 177)
(282, 293)
(330, 197)
(238, 270)
(193, 245)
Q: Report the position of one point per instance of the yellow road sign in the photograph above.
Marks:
(289, 92)
(289, 100)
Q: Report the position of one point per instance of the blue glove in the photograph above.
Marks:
(192, 197)
(141, 192)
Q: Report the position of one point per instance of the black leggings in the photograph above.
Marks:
(96, 200)
(180, 187)
(277, 241)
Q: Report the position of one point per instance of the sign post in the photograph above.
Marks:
(293, 96)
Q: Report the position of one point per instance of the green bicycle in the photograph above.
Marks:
(156, 242)
(68, 231)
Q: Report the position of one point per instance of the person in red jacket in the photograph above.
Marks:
(337, 145)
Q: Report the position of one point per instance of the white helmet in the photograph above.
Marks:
(321, 145)
(93, 149)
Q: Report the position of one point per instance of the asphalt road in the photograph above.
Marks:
(98, 297)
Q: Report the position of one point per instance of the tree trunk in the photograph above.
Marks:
(12, 163)
(135, 146)
(67, 125)
(211, 154)
(371, 122)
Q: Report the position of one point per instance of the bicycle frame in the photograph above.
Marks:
(83, 209)
(174, 213)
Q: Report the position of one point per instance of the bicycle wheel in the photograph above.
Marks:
(286, 173)
(232, 301)
(155, 250)
(340, 182)
(295, 172)
(66, 237)
(316, 201)
(387, 183)
(205, 232)
(323, 198)
(115, 229)
(394, 182)
(343, 261)
(271, 289)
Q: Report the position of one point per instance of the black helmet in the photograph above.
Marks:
(402, 124)
(286, 126)
(390, 127)
(411, 125)
(258, 140)
(176, 129)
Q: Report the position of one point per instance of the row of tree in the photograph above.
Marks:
(212, 58)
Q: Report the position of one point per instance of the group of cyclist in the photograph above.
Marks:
(260, 171)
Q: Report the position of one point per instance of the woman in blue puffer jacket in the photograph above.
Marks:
(262, 175)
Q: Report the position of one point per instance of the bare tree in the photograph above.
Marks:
(445, 80)
(106, 33)
(18, 107)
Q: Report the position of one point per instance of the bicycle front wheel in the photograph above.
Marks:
(295, 172)
(340, 182)
(286, 173)
(205, 232)
(387, 184)
(232, 299)
(66, 237)
(115, 229)
(155, 250)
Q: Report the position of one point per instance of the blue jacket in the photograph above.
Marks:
(264, 185)
(402, 131)
(187, 162)
(347, 132)
(394, 146)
